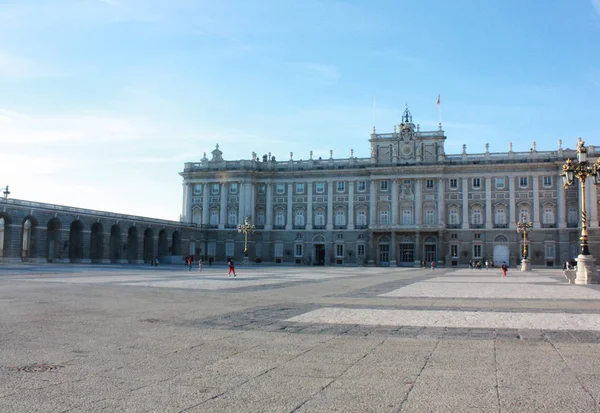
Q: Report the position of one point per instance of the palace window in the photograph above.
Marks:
(500, 215)
(384, 253)
(360, 250)
(573, 216)
(549, 251)
(340, 217)
(215, 188)
(384, 185)
(214, 217)
(260, 218)
(476, 182)
(298, 250)
(430, 217)
(524, 211)
(197, 189)
(362, 186)
(300, 188)
(232, 218)
(453, 217)
(407, 217)
(476, 216)
(340, 186)
(429, 183)
(547, 181)
(320, 187)
(453, 250)
(384, 217)
(453, 183)
(523, 182)
(229, 248)
(339, 250)
(548, 217)
(233, 188)
(279, 218)
(500, 182)
(280, 188)
(261, 188)
(299, 218)
(361, 217)
(477, 250)
(319, 218)
(196, 216)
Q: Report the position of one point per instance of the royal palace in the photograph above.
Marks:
(407, 203)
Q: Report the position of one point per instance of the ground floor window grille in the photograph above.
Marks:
(477, 251)
(430, 252)
(360, 250)
(339, 250)
(298, 250)
(549, 251)
(454, 250)
(384, 253)
(407, 253)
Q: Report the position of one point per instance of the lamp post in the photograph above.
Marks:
(6, 192)
(582, 169)
(246, 228)
(523, 227)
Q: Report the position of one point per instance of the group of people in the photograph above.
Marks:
(478, 264)
(189, 261)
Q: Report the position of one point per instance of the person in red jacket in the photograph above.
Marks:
(504, 269)
(231, 268)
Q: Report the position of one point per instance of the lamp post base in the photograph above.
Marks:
(246, 261)
(525, 265)
(586, 270)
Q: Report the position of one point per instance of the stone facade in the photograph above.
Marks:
(407, 203)
(39, 232)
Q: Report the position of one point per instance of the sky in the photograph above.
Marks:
(103, 101)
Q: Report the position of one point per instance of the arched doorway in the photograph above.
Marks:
(176, 239)
(163, 244)
(54, 249)
(76, 241)
(28, 238)
(96, 244)
(132, 245)
(318, 253)
(501, 253)
(383, 251)
(430, 249)
(148, 249)
(115, 243)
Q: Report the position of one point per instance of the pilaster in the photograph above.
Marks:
(329, 205)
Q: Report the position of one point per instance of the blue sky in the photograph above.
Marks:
(102, 101)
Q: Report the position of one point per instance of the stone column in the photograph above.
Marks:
(441, 202)
(372, 204)
(351, 204)
(465, 203)
(488, 203)
(251, 188)
(241, 202)
(187, 203)
(593, 203)
(309, 207)
(393, 250)
(561, 204)
(536, 201)
(418, 202)
(87, 240)
(417, 261)
(223, 206)
(288, 221)
(269, 211)
(205, 197)
(512, 223)
(329, 205)
(394, 209)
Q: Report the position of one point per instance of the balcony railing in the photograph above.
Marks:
(318, 226)
(278, 226)
(572, 224)
(454, 226)
(548, 225)
(476, 226)
(500, 225)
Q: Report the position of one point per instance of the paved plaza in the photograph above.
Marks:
(296, 339)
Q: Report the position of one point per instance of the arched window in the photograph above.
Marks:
(524, 211)
(548, 216)
(279, 218)
(384, 217)
(429, 217)
(572, 215)
(260, 217)
(232, 220)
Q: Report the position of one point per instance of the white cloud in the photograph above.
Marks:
(17, 67)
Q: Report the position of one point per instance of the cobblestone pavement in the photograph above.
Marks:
(296, 339)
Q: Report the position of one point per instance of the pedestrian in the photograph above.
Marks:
(199, 264)
(210, 260)
(487, 264)
(432, 265)
(231, 268)
(190, 261)
(504, 269)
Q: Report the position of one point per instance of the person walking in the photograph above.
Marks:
(504, 269)
(190, 260)
(231, 268)
(487, 264)
(432, 265)
(200, 264)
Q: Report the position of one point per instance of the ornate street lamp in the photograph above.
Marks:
(6, 192)
(582, 169)
(523, 227)
(246, 229)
